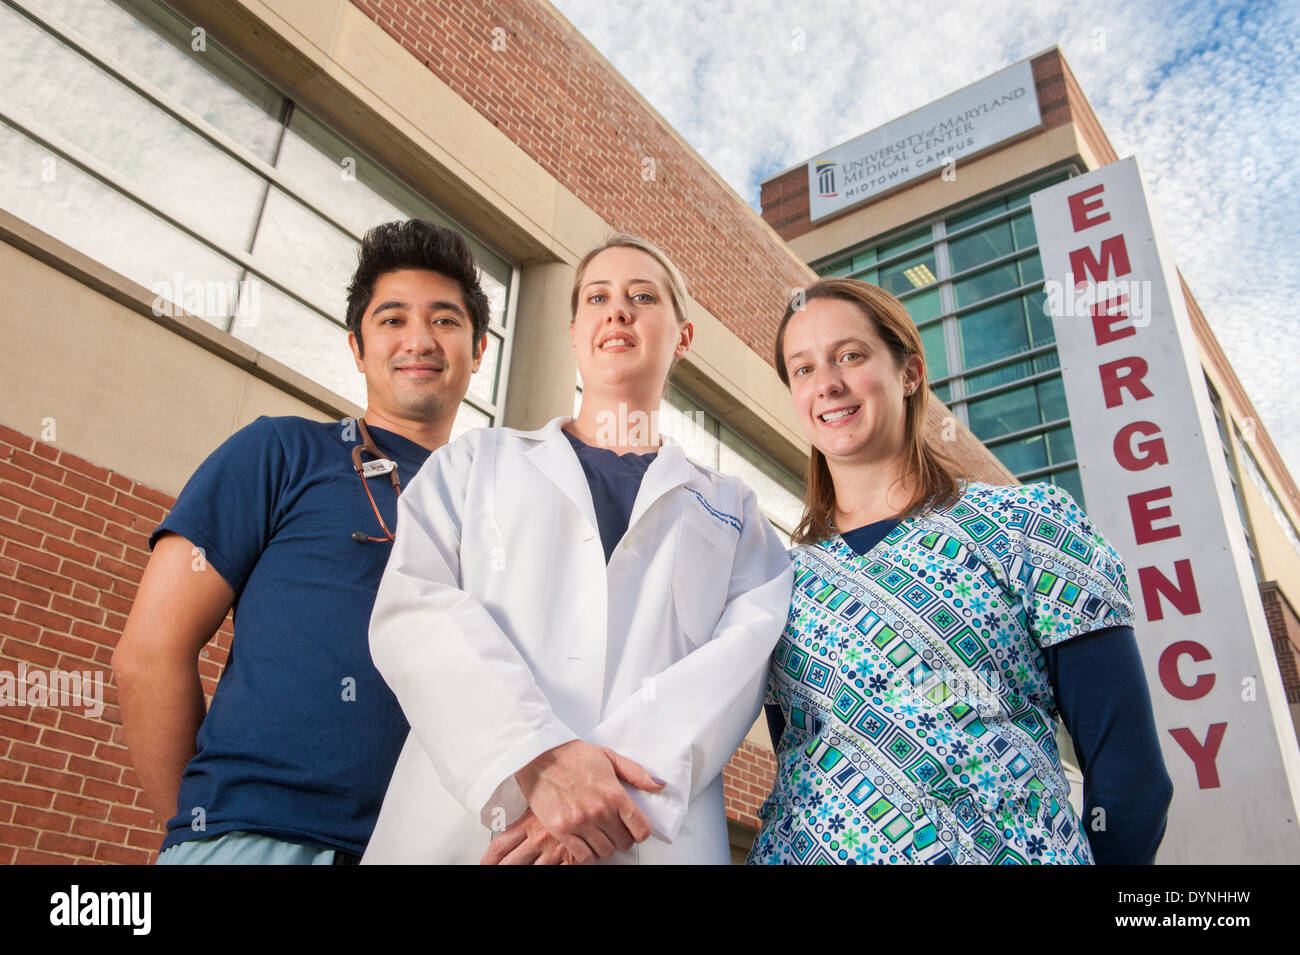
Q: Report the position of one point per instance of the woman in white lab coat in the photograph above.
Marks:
(577, 668)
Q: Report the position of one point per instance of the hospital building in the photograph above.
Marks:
(183, 190)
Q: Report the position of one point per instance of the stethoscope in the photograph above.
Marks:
(369, 469)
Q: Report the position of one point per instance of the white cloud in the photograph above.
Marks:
(1193, 90)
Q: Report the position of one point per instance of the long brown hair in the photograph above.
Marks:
(934, 472)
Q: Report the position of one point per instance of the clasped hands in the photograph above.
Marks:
(578, 811)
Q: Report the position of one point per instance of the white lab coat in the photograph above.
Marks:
(503, 633)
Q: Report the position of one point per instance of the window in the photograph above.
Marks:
(973, 283)
(185, 171)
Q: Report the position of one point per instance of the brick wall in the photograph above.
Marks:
(73, 545)
(746, 782)
(784, 198)
(560, 101)
(1284, 628)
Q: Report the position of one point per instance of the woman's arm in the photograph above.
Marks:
(1101, 692)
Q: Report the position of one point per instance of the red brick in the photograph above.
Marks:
(16, 438)
(25, 795)
(80, 806)
(109, 753)
(98, 789)
(99, 543)
(10, 473)
(73, 516)
(67, 743)
(28, 556)
(22, 650)
(150, 512)
(18, 730)
(52, 779)
(24, 535)
(92, 578)
(148, 494)
(25, 592)
(46, 524)
(81, 611)
(38, 756)
(105, 639)
(143, 840)
(82, 466)
(58, 491)
(100, 831)
(38, 465)
(17, 836)
(95, 769)
(121, 855)
(31, 857)
(109, 512)
(44, 618)
(45, 450)
(136, 818)
(7, 855)
(82, 726)
(55, 842)
(131, 538)
(112, 565)
(120, 481)
(40, 819)
(44, 579)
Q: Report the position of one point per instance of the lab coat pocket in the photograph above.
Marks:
(702, 574)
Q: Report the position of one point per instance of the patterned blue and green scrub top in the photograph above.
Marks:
(920, 720)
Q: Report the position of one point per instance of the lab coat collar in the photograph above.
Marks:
(553, 456)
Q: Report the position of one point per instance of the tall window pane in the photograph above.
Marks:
(1004, 413)
(993, 332)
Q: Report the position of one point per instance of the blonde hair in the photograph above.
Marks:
(623, 240)
(934, 472)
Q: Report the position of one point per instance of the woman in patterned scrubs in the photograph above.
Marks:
(933, 642)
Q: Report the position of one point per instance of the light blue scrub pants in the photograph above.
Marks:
(244, 848)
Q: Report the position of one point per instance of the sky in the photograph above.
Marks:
(1206, 95)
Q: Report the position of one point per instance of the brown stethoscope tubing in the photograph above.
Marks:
(368, 447)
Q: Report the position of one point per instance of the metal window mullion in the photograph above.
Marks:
(1044, 471)
(506, 328)
(1035, 352)
(1005, 259)
(286, 111)
(97, 170)
(998, 297)
(1029, 432)
(951, 339)
(182, 115)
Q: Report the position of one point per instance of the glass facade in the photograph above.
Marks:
(973, 283)
(128, 134)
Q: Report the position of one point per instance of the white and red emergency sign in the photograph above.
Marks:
(1156, 484)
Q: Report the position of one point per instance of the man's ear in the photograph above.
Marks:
(480, 349)
(355, 344)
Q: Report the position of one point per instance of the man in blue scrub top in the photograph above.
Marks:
(291, 762)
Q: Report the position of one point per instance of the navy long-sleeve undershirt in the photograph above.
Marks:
(1102, 695)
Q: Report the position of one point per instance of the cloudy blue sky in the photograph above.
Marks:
(1204, 94)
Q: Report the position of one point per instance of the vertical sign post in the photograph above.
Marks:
(1156, 484)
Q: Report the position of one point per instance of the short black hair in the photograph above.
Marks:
(415, 244)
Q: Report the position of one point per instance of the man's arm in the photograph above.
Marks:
(176, 611)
